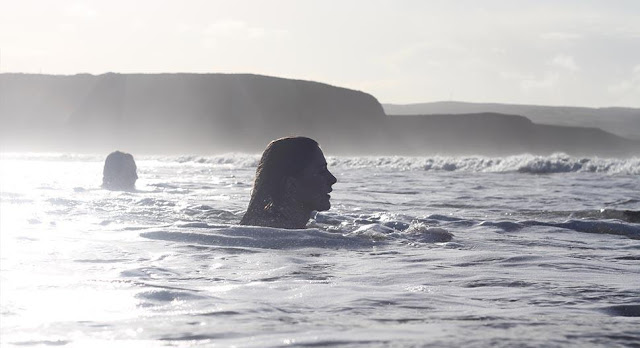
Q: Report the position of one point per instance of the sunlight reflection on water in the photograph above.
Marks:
(82, 266)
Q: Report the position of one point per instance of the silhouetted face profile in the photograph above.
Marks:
(120, 171)
(314, 183)
(292, 180)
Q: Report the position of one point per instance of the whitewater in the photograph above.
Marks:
(526, 251)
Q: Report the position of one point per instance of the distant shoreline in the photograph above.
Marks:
(195, 113)
(621, 121)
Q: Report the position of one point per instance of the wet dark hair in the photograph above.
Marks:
(283, 158)
(119, 171)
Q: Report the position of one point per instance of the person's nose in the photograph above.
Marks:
(332, 179)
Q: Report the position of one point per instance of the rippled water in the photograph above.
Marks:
(522, 251)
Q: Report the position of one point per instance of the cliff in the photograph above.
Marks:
(179, 112)
(213, 113)
(492, 133)
(624, 122)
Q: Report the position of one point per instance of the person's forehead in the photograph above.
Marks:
(317, 158)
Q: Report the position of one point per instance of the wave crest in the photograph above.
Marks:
(555, 163)
(525, 163)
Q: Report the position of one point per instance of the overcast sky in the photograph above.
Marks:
(550, 52)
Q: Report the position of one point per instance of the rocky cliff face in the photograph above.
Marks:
(213, 113)
(181, 112)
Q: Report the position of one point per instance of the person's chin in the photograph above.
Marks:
(326, 205)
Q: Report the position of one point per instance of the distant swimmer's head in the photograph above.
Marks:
(120, 172)
(292, 180)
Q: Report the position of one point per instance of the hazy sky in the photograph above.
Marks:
(552, 52)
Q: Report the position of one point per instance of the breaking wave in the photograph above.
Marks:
(529, 164)
(556, 163)
(525, 163)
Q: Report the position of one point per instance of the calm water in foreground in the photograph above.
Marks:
(518, 251)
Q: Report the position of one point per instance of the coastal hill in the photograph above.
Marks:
(500, 134)
(213, 113)
(179, 112)
(624, 122)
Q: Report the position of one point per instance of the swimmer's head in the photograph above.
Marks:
(292, 176)
(120, 172)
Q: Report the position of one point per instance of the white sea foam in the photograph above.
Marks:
(525, 163)
(556, 163)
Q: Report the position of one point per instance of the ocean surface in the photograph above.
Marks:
(521, 251)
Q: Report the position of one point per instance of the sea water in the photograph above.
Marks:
(521, 251)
